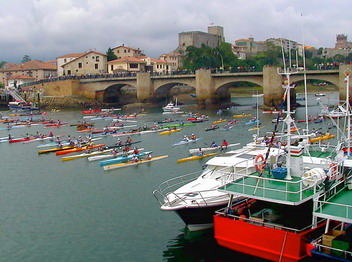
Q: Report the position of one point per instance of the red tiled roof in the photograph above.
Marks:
(71, 55)
(158, 61)
(82, 55)
(130, 59)
(32, 65)
(20, 77)
(127, 47)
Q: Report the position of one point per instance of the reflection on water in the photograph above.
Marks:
(200, 246)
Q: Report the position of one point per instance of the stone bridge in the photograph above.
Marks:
(210, 88)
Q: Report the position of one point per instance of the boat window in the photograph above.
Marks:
(246, 156)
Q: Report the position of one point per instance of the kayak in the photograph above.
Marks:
(56, 125)
(205, 149)
(183, 142)
(54, 149)
(137, 132)
(64, 143)
(167, 132)
(178, 125)
(251, 122)
(317, 139)
(105, 156)
(77, 149)
(219, 121)
(109, 167)
(91, 111)
(121, 159)
(211, 128)
(191, 158)
(255, 128)
(244, 115)
(67, 158)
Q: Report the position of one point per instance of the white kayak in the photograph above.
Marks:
(184, 142)
(106, 156)
(207, 149)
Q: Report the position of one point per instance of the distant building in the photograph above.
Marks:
(125, 51)
(15, 81)
(61, 60)
(126, 64)
(155, 65)
(91, 62)
(35, 69)
(248, 47)
(212, 38)
(286, 44)
(342, 43)
(174, 60)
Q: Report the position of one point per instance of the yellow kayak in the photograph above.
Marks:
(255, 128)
(219, 121)
(56, 149)
(114, 166)
(317, 139)
(167, 132)
(191, 158)
(247, 115)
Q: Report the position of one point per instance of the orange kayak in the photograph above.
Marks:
(77, 149)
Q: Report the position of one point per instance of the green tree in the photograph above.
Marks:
(110, 54)
(2, 63)
(26, 58)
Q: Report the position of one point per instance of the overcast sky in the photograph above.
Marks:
(46, 29)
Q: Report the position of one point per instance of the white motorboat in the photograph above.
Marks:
(171, 107)
(195, 197)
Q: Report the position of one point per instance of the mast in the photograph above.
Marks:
(348, 111)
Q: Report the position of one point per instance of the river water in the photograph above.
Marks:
(75, 211)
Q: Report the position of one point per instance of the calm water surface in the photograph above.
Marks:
(75, 211)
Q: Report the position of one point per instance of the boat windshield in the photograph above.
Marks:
(215, 172)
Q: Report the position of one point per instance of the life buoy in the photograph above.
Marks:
(259, 163)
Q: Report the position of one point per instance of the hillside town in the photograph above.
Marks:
(132, 60)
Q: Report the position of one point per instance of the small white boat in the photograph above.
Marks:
(320, 94)
(171, 107)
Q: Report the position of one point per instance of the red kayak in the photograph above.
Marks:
(91, 111)
(22, 139)
(55, 125)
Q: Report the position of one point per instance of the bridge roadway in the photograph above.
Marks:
(210, 88)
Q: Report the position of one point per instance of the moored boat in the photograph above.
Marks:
(275, 222)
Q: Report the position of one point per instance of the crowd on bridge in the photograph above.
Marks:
(321, 66)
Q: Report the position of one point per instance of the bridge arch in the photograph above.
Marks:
(118, 93)
(164, 90)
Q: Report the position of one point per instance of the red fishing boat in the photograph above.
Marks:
(275, 221)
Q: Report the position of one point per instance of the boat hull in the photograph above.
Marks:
(199, 218)
(257, 240)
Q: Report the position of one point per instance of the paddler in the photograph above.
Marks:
(224, 143)
(200, 152)
(129, 140)
(185, 138)
(193, 137)
(148, 156)
(135, 150)
(119, 142)
(213, 144)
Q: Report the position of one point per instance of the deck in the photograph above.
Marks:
(338, 207)
(267, 188)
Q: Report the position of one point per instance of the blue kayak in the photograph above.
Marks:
(122, 159)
